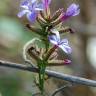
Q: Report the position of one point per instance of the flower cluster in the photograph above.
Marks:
(63, 44)
(33, 7)
(39, 10)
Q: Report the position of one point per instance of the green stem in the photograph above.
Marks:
(42, 67)
(43, 63)
(47, 45)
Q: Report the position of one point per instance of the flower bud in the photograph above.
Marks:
(41, 21)
(57, 21)
(66, 30)
(67, 61)
(58, 62)
(56, 14)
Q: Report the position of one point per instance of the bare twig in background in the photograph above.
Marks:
(85, 29)
(70, 78)
(36, 94)
(61, 88)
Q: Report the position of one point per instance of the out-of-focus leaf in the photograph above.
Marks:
(9, 86)
(13, 34)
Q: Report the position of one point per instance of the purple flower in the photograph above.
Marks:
(46, 3)
(72, 10)
(31, 9)
(63, 44)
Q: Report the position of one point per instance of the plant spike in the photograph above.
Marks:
(49, 32)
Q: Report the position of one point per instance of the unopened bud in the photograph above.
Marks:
(56, 14)
(57, 21)
(66, 30)
(41, 21)
(67, 61)
(48, 14)
(54, 55)
(33, 53)
(58, 62)
(50, 52)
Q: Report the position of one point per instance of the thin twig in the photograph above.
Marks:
(36, 94)
(70, 78)
(61, 88)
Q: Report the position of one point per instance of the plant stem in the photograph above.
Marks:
(42, 67)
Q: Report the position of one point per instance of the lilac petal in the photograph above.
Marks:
(46, 1)
(49, 1)
(77, 12)
(33, 1)
(24, 4)
(57, 35)
(21, 13)
(73, 10)
(64, 41)
(32, 16)
(39, 7)
(66, 48)
(53, 39)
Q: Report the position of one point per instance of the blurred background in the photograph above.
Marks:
(14, 34)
